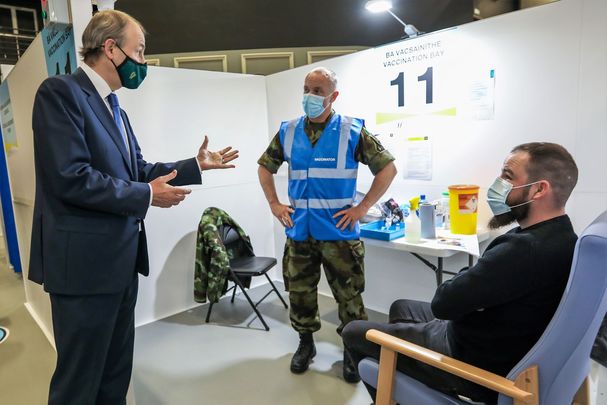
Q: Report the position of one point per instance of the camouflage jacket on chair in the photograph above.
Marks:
(213, 259)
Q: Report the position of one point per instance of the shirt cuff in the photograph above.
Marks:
(199, 168)
(151, 195)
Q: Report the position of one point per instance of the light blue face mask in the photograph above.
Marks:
(498, 194)
(313, 105)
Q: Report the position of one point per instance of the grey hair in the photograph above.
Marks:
(107, 24)
(328, 73)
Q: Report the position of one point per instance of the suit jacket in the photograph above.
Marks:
(91, 193)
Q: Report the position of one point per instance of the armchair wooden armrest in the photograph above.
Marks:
(524, 390)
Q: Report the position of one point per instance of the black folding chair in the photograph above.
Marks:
(245, 265)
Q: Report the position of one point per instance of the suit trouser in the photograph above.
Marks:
(413, 321)
(94, 336)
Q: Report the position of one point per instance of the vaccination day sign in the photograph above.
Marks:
(59, 49)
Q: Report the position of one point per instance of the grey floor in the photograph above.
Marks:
(233, 360)
(27, 359)
(181, 360)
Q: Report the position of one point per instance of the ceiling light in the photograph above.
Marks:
(378, 6)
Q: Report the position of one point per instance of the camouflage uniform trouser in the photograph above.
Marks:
(343, 262)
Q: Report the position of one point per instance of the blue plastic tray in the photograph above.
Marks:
(374, 230)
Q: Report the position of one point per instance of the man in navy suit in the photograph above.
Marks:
(93, 190)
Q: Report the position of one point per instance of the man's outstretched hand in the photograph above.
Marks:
(215, 160)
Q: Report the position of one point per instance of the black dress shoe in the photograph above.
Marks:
(350, 370)
(305, 353)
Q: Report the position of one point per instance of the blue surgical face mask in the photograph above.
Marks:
(313, 105)
(498, 194)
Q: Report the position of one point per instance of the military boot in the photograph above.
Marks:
(350, 371)
(304, 354)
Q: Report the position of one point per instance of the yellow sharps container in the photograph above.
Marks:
(463, 204)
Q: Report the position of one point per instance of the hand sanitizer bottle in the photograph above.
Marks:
(413, 226)
(445, 204)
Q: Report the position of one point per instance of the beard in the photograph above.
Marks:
(515, 214)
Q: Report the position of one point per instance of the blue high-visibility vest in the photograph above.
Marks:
(322, 178)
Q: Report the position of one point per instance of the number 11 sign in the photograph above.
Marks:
(416, 78)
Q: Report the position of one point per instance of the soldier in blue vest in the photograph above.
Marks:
(323, 149)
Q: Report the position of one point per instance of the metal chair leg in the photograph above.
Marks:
(209, 312)
(276, 291)
(233, 293)
(211, 304)
(237, 281)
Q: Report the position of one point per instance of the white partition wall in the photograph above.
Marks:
(590, 196)
(170, 113)
(23, 81)
(548, 85)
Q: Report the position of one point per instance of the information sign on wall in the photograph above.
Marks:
(6, 117)
(417, 93)
(59, 49)
(416, 78)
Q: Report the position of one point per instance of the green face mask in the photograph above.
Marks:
(131, 72)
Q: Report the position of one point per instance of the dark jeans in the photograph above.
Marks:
(413, 321)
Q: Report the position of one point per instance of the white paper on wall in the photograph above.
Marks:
(482, 96)
(418, 161)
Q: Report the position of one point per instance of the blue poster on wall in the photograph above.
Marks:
(8, 215)
(9, 139)
(59, 49)
(6, 117)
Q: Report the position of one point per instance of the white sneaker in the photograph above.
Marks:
(3, 334)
